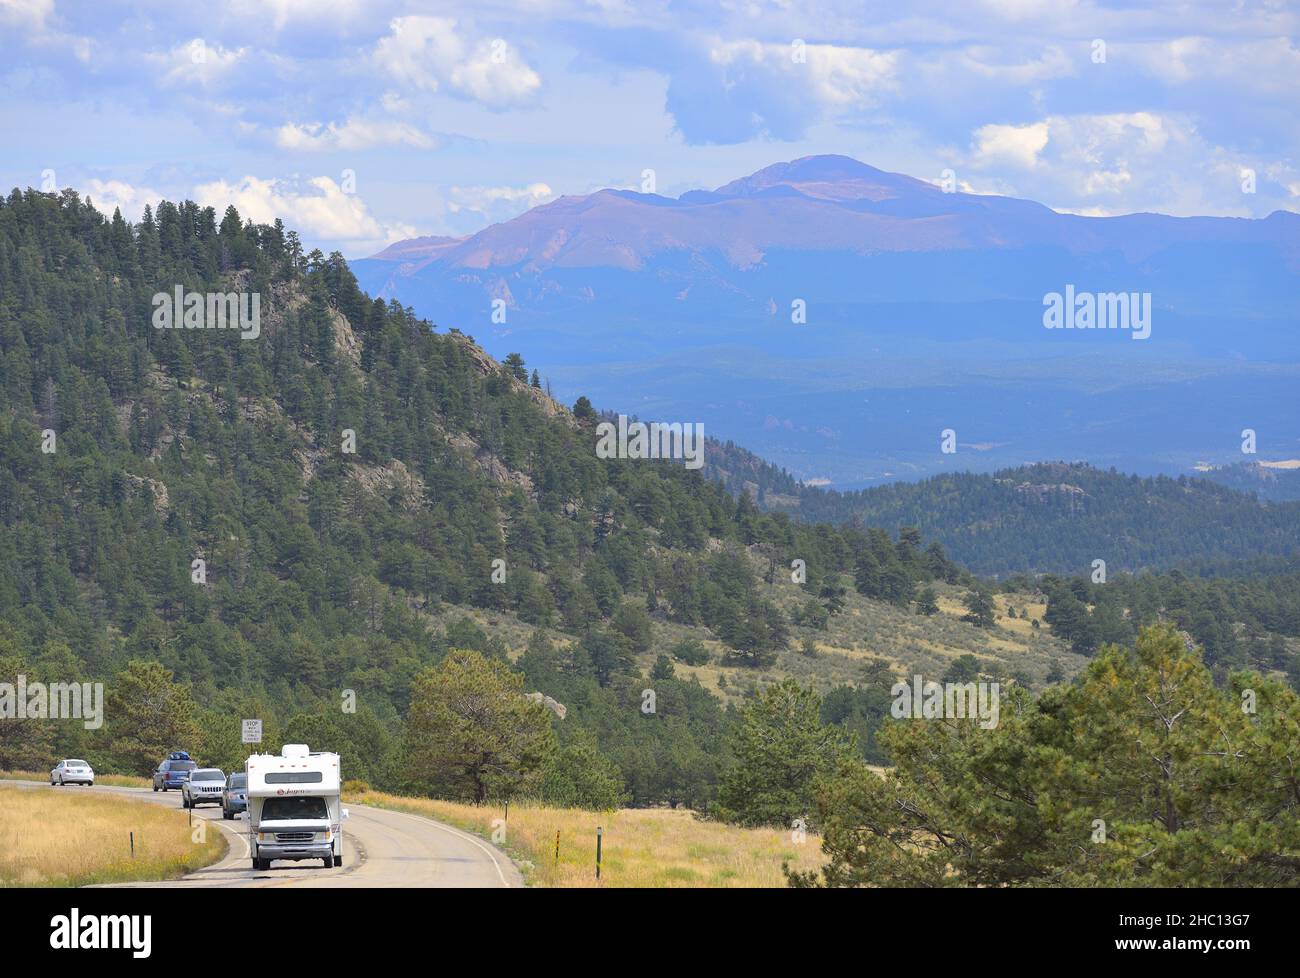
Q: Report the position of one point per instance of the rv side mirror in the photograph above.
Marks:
(345, 814)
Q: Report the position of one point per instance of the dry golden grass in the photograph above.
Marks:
(952, 606)
(115, 780)
(642, 847)
(72, 838)
(1019, 625)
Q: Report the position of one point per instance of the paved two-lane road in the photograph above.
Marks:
(381, 848)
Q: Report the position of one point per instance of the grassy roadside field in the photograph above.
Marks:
(113, 780)
(72, 838)
(641, 847)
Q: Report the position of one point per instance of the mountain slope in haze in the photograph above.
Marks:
(1045, 518)
(414, 252)
(919, 308)
(819, 204)
(1274, 481)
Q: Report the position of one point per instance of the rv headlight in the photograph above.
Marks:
(327, 836)
(265, 837)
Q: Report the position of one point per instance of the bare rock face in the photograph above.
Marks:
(346, 344)
(490, 465)
(499, 472)
(393, 480)
(559, 709)
(156, 487)
(1044, 492)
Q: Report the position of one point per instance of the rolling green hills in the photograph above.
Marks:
(1052, 517)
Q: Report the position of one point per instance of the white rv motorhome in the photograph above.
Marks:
(295, 810)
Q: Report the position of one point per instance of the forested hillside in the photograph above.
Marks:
(1239, 621)
(1047, 518)
(324, 569)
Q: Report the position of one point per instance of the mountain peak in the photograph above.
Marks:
(828, 177)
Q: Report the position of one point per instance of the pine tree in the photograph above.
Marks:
(1140, 773)
(471, 730)
(149, 714)
(781, 747)
(980, 608)
(514, 364)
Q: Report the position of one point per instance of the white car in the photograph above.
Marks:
(205, 786)
(72, 772)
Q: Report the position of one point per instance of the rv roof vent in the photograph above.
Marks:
(294, 750)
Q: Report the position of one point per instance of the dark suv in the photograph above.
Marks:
(173, 772)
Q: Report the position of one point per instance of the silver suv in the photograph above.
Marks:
(203, 787)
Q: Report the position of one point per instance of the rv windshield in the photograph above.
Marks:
(277, 809)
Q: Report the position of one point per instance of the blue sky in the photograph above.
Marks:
(450, 116)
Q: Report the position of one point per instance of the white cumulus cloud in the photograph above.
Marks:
(317, 208)
(434, 54)
(834, 76)
(1118, 162)
(351, 134)
(196, 62)
(108, 195)
(26, 13)
(1015, 145)
(498, 203)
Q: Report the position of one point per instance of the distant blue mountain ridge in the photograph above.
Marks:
(923, 311)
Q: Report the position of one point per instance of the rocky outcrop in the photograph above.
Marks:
(393, 481)
(1042, 492)
(559, 709)
(157, 490)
